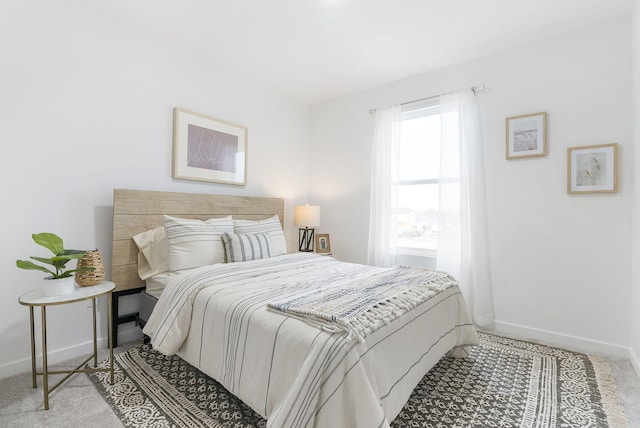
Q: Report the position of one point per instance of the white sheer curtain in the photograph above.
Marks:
(384, 194)
(463, 248)
(463, 245)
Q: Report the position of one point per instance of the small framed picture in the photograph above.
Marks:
(592, 169)
(208, 149)
(527, 135)
(323, 245)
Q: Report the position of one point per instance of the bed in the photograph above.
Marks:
(255, 327)
(137, 211)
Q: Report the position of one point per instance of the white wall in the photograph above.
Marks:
(561, 263)
(635, 283)
(86, 107)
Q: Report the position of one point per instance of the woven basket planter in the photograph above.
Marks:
(92, 259)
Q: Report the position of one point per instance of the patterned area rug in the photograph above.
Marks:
(503, 383)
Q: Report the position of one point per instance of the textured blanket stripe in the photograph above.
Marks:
(273, 351)
(331, 359)
(319, 336)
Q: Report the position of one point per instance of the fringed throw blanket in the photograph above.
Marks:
(359, 308)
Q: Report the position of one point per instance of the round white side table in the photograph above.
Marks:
(36, 298)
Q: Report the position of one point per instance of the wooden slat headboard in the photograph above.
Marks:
(135, 211)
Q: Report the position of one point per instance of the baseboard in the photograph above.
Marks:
(56, 356)
(574, 343)
(635, 361)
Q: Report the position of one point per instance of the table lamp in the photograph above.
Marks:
(306, 217)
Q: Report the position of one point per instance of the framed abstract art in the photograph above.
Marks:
(208, 149)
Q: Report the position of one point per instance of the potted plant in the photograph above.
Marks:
(61, 280)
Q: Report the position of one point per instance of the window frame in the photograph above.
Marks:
(427, 107)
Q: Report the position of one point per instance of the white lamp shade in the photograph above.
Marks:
(306, 215)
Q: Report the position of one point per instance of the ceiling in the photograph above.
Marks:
(314, 50)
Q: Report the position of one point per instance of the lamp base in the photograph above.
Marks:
(305, 239)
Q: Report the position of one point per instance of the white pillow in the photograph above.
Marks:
(152, 252)
(246, 246)
(195, 243)
(270, 226)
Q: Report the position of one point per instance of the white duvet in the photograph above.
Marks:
(289, 371)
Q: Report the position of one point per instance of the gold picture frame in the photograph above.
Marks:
(208, 149)
(592, 169)
(323, 244)
(526, 135)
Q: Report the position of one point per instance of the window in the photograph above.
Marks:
(419, 179)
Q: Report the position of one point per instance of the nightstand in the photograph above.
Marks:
(36, 298)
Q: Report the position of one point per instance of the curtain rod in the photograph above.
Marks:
(475, 89)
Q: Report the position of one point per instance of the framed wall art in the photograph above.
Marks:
(323, 245)
(592, 169)
(208, 149)
(526, 135)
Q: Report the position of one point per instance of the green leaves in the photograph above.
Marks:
(74, 253)
(50, 241)
(60, 258)
(25, 264)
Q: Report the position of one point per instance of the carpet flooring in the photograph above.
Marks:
(503, 383)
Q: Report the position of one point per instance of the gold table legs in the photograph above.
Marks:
(45, 367)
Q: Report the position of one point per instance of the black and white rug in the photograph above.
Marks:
(503, 383)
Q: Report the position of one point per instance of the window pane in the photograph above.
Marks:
(417, 220)
(420, 148)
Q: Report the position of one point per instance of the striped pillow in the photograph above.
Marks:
(193, 243)
(246, 246)
(270, 226)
